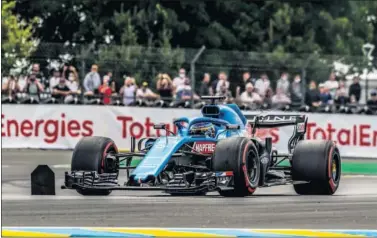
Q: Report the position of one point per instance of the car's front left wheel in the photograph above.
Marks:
(89, 155)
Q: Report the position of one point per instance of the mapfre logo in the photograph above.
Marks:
(204, 147)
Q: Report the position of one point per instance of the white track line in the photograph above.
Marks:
(17, 197)
(55, 166)
(154, 199)
(359, 176)
(61, 166)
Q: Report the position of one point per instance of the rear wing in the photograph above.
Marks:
(271, 121)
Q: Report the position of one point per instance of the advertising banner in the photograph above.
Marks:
(61, 127)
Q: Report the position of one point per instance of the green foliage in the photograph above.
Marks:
(16, 36)
(292, 33)
(143, 63)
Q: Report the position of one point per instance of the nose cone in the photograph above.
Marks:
(141, 179)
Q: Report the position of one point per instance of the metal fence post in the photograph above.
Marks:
(82, 72)
(192, 68)
(366, 87)
(84, 54)
(303, 78)
(367, 50)
(304, 84)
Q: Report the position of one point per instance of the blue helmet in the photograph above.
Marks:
(203, 128)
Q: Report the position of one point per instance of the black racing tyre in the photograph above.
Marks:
(89, 155)
(318, 162)
(238, 154)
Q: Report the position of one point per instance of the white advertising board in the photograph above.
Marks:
(61, 127)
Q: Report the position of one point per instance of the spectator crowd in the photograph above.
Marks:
(290, 93)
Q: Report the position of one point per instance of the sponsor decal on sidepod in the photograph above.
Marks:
(204, 147)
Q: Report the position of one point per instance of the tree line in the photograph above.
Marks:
(153, 35)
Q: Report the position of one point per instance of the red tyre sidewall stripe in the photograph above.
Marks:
(331, 180)
(245, 169)
(104, 154)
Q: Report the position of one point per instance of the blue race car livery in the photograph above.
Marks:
(213, 152)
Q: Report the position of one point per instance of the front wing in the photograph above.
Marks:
(185, 183)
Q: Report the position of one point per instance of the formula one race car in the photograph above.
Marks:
(214, 152)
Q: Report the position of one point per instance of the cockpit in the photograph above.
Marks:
(203, 128)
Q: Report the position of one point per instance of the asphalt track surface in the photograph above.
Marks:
(353, 207)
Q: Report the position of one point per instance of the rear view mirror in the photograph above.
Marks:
(160, 126)
(232, 127)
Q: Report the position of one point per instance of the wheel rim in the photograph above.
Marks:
(110, 151)
(252, 168)
(335, 167)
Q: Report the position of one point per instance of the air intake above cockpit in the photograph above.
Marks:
(211, 111)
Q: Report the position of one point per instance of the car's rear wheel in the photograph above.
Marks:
(318, 163)
(89, 155)
(239, 155)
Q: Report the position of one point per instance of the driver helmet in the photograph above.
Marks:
(203, 128)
